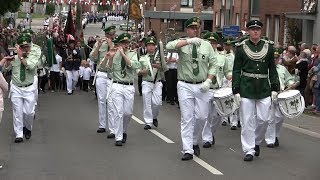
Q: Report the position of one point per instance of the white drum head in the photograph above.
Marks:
(287, 94)
(223, 92)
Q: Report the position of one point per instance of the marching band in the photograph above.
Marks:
(214, 84)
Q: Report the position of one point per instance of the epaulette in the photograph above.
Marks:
(241, 43)
(271, 42)
(268, 41)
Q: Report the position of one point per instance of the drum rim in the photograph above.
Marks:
(298, 94)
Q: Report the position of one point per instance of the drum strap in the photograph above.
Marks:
(257, 76)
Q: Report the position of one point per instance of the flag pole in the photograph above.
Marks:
(128, 12)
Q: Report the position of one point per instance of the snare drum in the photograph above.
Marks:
(291, 103)
(224, 101)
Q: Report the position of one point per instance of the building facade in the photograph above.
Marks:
(270, 12)
(162, 15)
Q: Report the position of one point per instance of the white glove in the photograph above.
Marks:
(274, 95)
(205, 86)
(196, 41)
(74, 52)
(237, 99)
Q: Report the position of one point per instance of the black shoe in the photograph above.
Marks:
(27, 133)
(248, 157)
(276, 143)
(101, 130)
(69, 93)
(118, 143)
(111, 136)
(18, 140)
(233, 128)
(187, 157)
(155, 122)
(257, 149)
(146, 127)
(196, 150)
(270, 145)
(207, 145)
(239, 124)
(172, 103)
(224, 123)
(213, 140)
(124, 138)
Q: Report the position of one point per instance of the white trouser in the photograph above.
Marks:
(102, 87)
(152, 100)
(212, 122)
(275, 124)
(254, 117)
(72, 79)
(35, 84)
(194, 113)
(23, 104)
(121, 104)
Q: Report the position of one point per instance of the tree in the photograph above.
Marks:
(50, 9)
(293, 32)
(10, 6)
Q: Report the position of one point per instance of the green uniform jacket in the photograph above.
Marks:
(207, 61)
(146, 64)
(129, 71)
(285, 78)
(31, 68)
(253, 87)
(223, 69)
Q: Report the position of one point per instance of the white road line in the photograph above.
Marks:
(207, 166)
(301, 130)
(137, 120)
(196, 159)
(167, 140)
(232, 149)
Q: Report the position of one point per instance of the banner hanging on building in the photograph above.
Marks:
(134, 10)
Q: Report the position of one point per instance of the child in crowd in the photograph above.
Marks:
(86, 76)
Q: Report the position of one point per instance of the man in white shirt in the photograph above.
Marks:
(55, 72)
(172, 59)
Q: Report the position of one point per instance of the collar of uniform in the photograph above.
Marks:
(252, 43)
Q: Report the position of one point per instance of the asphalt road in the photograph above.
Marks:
(65, 145)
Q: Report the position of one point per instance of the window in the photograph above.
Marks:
(217, 19)
(223, 2)
(222, 19)
(237, 19)
(276, 29)
(186, 3)
(268, 26)
(255, 7)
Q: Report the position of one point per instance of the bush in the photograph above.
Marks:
(50, 9)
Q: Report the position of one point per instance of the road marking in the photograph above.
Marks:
(207, 166)
(167, 140)
(300, 130)
(137, 120)
(232, 149)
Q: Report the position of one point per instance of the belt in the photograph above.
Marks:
(194, 82)
(257, 76)
(26, 85)
(152, 81)
(124, 83)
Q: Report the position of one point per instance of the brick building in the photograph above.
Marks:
(270, 12)
(163, 14)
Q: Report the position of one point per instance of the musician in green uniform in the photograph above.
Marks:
(103, 79)
(255, 79)
(22, 90)
(151, 83)
(223, 71)
(196, 71)
(124, 64)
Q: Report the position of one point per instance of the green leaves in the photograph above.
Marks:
(10, 6)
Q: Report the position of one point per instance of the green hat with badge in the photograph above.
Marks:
(194, 21)
(24, 39)
(277, 51)
(211, 36)
(151, 40)
(254, 24)
(228, 40)
(204, 32)
(28, 31)
(115, 40)
(110, 30)
(124, 37)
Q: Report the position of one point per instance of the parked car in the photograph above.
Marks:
(124, 26)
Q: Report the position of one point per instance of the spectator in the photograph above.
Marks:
(290, 59)
(302, 71)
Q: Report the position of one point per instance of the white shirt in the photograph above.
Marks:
(81, 68)
(87, 73)
(56, 67)
(172, 65)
